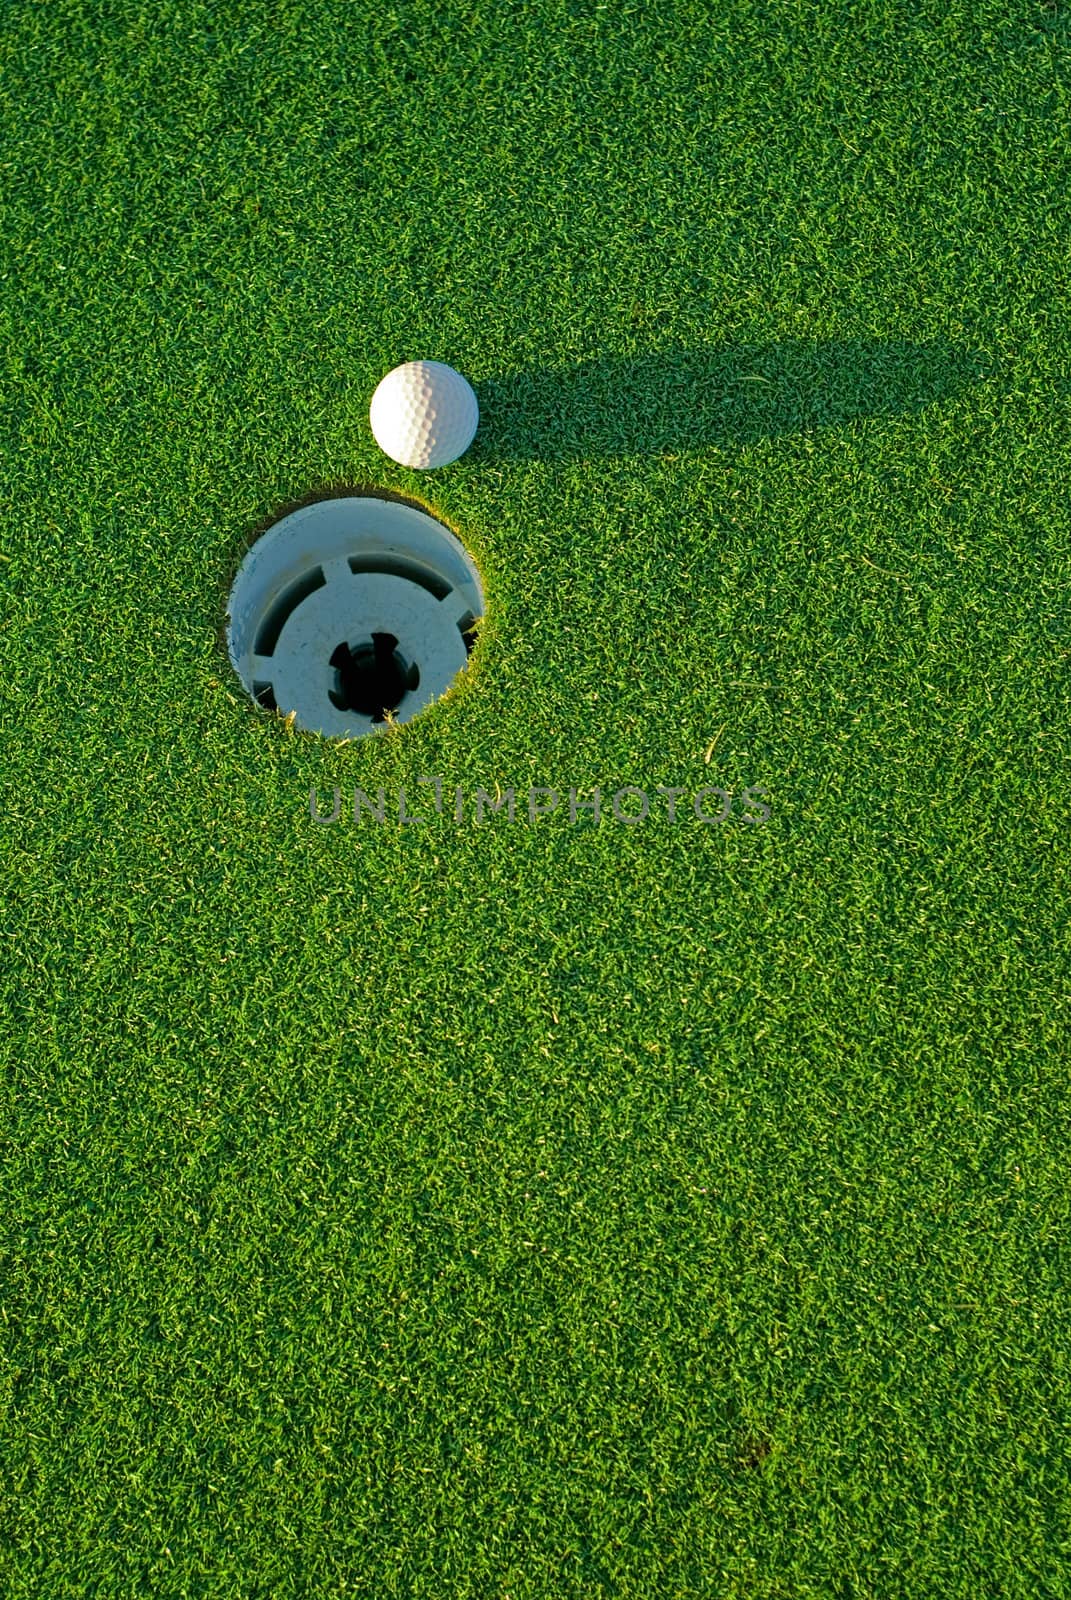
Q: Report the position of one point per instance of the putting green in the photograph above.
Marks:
(606, 1136)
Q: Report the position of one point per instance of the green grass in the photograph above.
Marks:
(535, 1210)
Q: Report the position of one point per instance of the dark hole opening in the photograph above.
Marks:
(373, 678)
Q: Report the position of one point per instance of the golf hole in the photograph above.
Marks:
(352, 613)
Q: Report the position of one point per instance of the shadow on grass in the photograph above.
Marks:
(679, 399)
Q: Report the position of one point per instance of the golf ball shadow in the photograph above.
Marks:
(679, 399)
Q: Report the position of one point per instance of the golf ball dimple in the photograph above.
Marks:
(424, 414)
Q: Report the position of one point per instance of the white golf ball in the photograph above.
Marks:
(424, 414)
